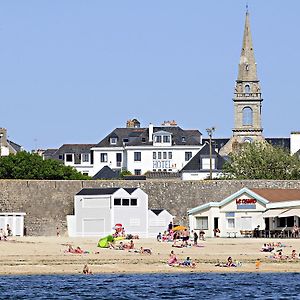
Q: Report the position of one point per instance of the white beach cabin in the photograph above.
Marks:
(159, 220)
(97, 210)
(15, 220)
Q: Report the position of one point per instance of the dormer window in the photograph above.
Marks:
(143, 140)
(158, 139)
(163, 138)
(166, 139)
(113, 140)
(125, 140)
(183, 140)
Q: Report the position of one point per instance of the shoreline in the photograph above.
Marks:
(46, 256)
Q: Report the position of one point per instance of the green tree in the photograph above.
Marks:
(25, 165)
(124, 173)
(261, 161)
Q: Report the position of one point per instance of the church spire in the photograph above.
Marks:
(247, 65)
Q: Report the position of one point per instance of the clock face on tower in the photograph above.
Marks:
(248, 140)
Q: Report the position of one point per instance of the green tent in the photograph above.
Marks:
(104, 242)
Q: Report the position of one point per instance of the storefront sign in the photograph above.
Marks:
(246, 203)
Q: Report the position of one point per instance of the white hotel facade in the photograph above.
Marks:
(166, 148)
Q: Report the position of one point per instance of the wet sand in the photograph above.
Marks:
(46, 255)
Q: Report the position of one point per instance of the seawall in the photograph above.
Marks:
(47, 203)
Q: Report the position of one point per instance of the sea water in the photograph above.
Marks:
(153, 286)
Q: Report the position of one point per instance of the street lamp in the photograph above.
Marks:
(1, 135)
(210, 133)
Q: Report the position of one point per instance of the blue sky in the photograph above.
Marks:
(72, 71)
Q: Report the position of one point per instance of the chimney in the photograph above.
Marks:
(150, 132)
(3, 136)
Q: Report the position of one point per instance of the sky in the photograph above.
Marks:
(71, 71)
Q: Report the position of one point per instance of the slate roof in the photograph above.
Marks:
(107, 173)
(195, 164)
(140, 136)
(157, 211)
(15, 146)
(103, 191)
(48, 153)
(97, 191)
(278, 195)
(280, 142)
(76, 149)
(217, 143)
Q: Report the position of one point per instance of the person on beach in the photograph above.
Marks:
(129, 246)
(3, 236)
(145, 251)
(294, 254)
(185, 237)
(86, 270)
(257, 264)
(188, 263)
(195, 238)
(159, 237)
(172, 259)
(8, 230)
(57, 232)
(170, 226)
(230, 262)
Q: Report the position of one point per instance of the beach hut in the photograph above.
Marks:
(158, 221)
(97, 210)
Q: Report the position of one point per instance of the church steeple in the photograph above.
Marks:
(247, 98)
(247, 65)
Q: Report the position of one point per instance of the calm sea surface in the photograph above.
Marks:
(152, 286)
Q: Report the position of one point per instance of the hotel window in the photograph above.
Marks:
(158, 139)
(188, 156)
(170, 155)
(137, 156)
(202, 223)
(113, 140)
(154, 155)
(159, 155)
(164, 155)
(137, 172)
(103, 157)
(69, 157)
(166, 139)
(85, 157)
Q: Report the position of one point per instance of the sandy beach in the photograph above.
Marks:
(46, 255)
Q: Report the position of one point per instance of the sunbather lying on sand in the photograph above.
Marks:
(229, 263)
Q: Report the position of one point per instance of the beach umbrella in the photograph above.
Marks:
(179, 228)
(118, 226)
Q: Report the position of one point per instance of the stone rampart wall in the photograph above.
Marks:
(47, 203)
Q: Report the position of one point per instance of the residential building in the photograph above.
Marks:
(7, 146)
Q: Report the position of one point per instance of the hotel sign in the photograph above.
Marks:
(246, 203)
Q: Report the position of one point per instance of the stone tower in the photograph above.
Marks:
(247, 98)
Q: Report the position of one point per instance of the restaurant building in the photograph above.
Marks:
(262, 212)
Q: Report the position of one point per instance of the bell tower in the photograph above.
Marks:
(247, 98)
